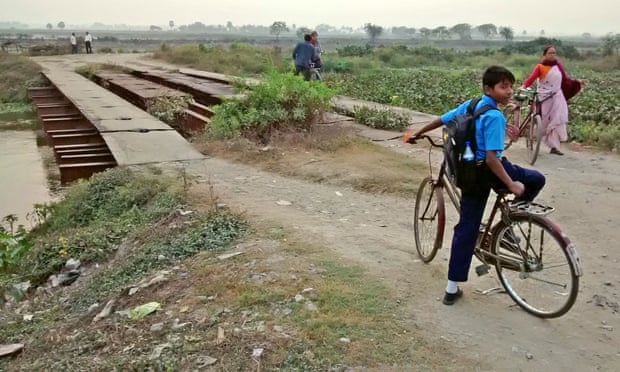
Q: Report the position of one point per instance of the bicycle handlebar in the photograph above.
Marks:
(413, 140)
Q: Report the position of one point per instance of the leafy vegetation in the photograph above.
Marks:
(280, 102)
(168, 109)
(433, 80)
(235, 59)
(381, 118)
(94, 218)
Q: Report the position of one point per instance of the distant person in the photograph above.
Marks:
(73, 42)
(554, 89)
(314, 40)
(88, 41)
(303, 54)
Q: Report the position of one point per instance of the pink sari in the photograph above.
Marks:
(554, 89)
(554, 108)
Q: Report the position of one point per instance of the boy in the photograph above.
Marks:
(496, 172)
(303, 54)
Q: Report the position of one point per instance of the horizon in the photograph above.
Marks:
(555, 17)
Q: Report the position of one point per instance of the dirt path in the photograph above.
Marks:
(374, 230)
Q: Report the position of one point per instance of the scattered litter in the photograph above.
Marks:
(284, 203)
(185, 213)
(257, 353)
(220, 335)
(105, 312)
(345, 340)
(205, 361)
(176, 325)
(338, 193)
(6, 350)
(72, 264)
(28, 317)
(157, 327)
(141, 311)
(158, 350)
(228, 255)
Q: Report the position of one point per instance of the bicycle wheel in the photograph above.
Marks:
(429, 219)
(534, 138)
(510, 120)
(534, 265)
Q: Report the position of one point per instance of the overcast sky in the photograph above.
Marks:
(554, 16)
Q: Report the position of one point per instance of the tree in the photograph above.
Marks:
(426, 32)
(542, 32)
(441, 32)
(61, 25)
(524, 32)
(586, 35)
(229, 26)
(197, 27)
(403, 31)
(302, 31)
(488, 30)
(507, 33)
(154, 28)
(611, 44)
(277, 28)
(463, 30)
(49, 26)
(171, 24)
(373, 31)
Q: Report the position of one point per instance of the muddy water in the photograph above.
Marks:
(23, 179)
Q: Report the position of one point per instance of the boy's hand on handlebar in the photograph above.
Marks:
(411, 137)
(516, 188)
(513, 132)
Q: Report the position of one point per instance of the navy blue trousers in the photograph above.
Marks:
(472, 210)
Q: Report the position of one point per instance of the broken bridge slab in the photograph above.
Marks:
(132, 135)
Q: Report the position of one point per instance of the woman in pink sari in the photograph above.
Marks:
(554, 90)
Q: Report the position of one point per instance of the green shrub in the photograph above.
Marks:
(281, 101)
(105, 50)
(355, 51)
(381, 118)
(536, 46)
(17, 74)
(14, 245)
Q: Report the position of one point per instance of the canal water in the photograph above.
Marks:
(23, 177)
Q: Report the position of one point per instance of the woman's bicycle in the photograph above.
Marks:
(534, 260)
(530, 125)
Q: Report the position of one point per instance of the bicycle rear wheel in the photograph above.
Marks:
(534, 265)
(534, 138)
(429, 219)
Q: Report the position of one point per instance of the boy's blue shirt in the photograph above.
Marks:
(490, 126)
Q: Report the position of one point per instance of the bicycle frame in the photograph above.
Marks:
(447, 184)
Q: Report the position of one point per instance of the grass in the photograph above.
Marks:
(237, 59)
(17, 74)
(329, 154)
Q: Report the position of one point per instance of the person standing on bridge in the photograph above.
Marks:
(73, 42)
(88, 40)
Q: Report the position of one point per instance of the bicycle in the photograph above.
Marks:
(531, 126)
(515, 244)
(315, 72)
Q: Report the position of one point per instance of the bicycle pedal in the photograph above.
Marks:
(482, 269)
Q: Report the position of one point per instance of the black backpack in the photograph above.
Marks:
(455, 133)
